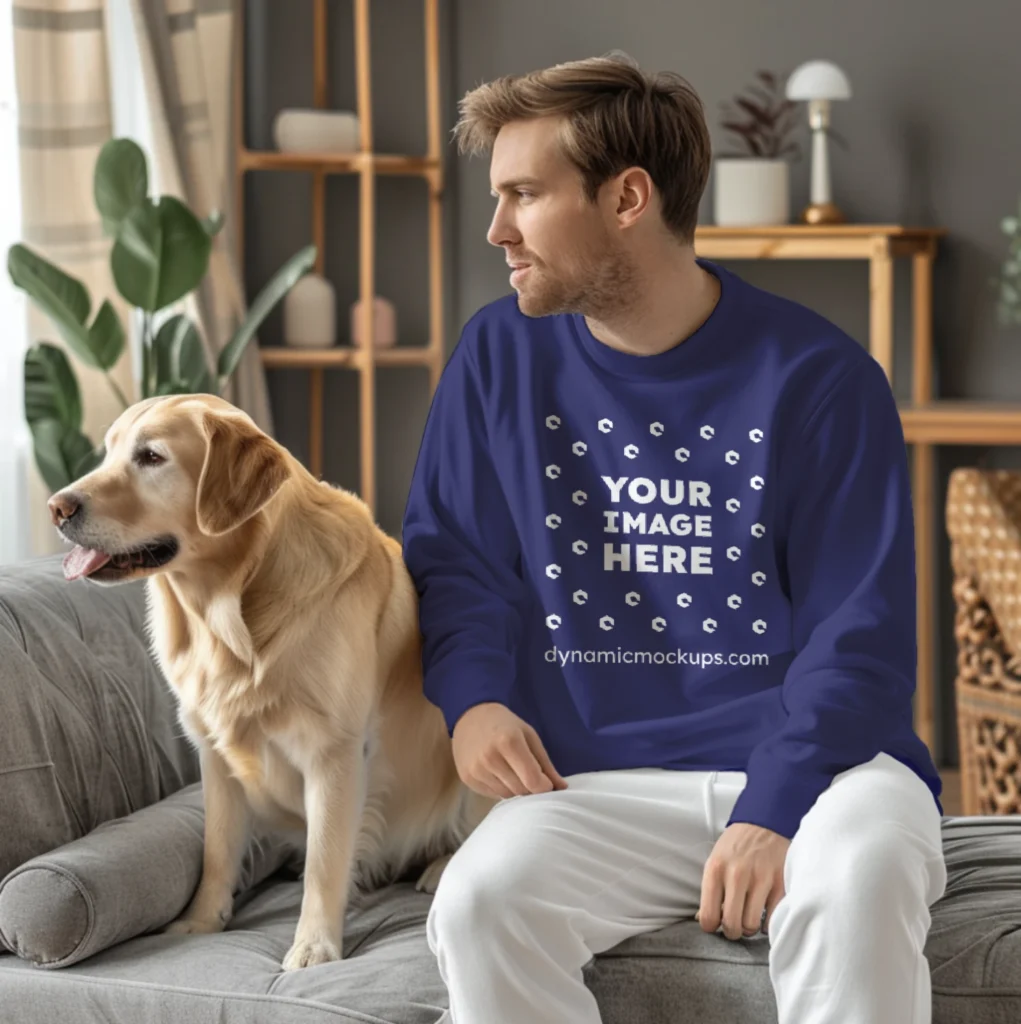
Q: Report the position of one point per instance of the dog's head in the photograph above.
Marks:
(178, 473)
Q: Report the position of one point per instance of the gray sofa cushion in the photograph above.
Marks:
(974, 949)
(88, 730)
(130, 876)
(677, 975)
(388, 975)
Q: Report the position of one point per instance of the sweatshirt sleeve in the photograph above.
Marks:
(850, 561)
(461, 548)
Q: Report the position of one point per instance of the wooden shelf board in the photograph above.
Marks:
(960, 421)
(337, 163)
(803, 241)
(283, 357)
(819, 231)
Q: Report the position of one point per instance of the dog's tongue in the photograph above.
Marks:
(81, 561)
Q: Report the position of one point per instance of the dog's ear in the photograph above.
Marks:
(243, 469)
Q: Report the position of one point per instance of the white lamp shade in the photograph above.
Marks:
(818, 80)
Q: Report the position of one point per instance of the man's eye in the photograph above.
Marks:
(149, 457)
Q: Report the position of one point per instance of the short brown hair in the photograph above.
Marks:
(616, 116)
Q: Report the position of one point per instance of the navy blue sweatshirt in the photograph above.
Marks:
(701, 559)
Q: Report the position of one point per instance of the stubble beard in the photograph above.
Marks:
(600, 286)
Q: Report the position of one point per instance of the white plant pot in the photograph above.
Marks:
(750, 192)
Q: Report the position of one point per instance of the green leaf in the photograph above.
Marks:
(106, 336)
(186, 251)
(49, 456)
(61, 297)
(32, 272)
(161, 253)
(59, 451)
(51, 389)
(163, 363)
(180, 357)
(174, 387)
(89, 461)
(66, 302)
(213, 223)
(277, 287)
(192, 367)
(120, 181)
(1009, 225)
(147, 375)
(135, 258)
(77, 450)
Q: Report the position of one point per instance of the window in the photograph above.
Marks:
(15, 446)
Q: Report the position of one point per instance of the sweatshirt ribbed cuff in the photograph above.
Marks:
(777, 796)
(455, 689)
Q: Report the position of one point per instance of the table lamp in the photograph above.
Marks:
(819, 82)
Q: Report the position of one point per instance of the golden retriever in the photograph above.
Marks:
(287, 623)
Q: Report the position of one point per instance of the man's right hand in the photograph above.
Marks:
(500, 755)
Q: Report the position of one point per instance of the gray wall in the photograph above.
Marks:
(931, 140)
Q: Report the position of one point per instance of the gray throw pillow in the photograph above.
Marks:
(127, 877)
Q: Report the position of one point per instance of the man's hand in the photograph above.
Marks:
(500, 755)
(742, 878)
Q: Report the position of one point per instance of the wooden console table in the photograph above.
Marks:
(926, 423)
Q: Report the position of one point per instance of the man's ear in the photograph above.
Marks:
(243, 469)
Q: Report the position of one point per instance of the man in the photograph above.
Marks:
(661, 529)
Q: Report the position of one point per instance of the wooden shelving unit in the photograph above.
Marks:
(950, 421)
(927, 422)
(367, 164)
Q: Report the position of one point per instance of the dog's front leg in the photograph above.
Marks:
(226, 834)
(334, 797)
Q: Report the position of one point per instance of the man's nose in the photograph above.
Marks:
(63, 506)
(502, 231)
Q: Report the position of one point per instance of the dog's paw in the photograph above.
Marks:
(193, 926)
(429, 880)
(310, 953)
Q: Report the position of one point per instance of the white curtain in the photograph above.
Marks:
(14, 441)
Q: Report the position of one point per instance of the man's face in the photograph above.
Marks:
(564, 250)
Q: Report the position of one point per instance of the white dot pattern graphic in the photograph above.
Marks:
(736, 547)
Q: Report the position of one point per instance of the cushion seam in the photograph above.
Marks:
(648, 955)
(17, 623)
(26, 767)
(339, 1011)
(976, 993)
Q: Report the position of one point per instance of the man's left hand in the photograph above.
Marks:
(743, 880)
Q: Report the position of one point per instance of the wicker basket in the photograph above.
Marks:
(983, 516)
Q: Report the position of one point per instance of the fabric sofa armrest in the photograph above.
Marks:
(127, 877)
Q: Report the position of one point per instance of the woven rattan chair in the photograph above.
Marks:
(983, 516)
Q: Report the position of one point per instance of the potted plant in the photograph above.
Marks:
(160, 253)
(752, 184)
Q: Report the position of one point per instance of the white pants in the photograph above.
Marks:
(548, 880)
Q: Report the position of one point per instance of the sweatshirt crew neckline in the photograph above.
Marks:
(680, 358)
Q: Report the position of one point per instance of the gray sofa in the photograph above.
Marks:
(100, 841)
